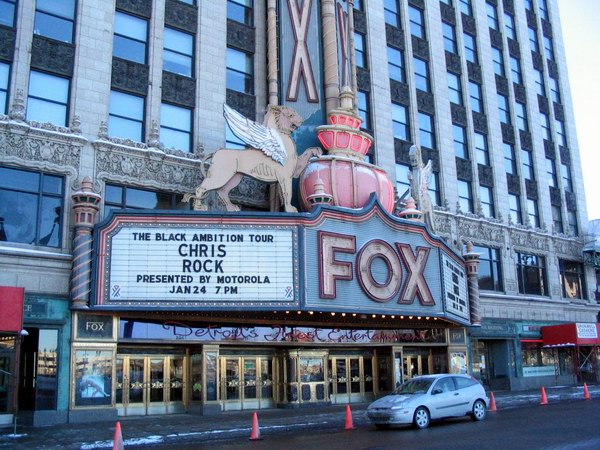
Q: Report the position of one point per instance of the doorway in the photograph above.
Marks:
(351, 379)
(153, 384)
(246, 382)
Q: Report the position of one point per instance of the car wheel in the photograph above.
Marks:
(421, 418)
(479, 411)
(382, 426)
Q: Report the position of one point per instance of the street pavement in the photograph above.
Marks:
(183, 430)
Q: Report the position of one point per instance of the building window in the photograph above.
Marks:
(475, 96)
(540, 87)
(131, 35)
(396, 64)
(426, 134)
(449, 37)
(360, 51)
(548, 48)
(416, 20)
(515, 70)
(178, 54)
(421, 74)
(240, 11)
(364, 110)
(509, 158)
(509, 27)
(231, 140)
(454, 89)
(400, 122)
(498, 61)
(514, 206)
(533, 213)
(545, 122)
(126, 116)
(566, 177)
(390, 11)
(572, 279)
(486, 199)
(554, 90)
(358, 5)
(534, 44)
(470, 48)
(176, 127)
(240, 71)
(48, 98)
(551, 171)
(465, 7)
(402, 181)
(543, 9)
(31, 207)
(53, 19)
(434, 191)
(122, 197)
(503, 111)
(561, 137)
(465, 199)
(490, 269)
(531, 272)
(481, 149)
(4, 74)
(492, 16)
(460, 141)
(529, 5)
(7, 13)
(572, 218)
(521, 113)
(527, 165)
(557, 219)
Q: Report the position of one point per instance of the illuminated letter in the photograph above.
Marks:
(301, 67)
(416, 285)
(380, 292)
(330, 269)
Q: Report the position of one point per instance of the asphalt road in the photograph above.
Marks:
(569, 425)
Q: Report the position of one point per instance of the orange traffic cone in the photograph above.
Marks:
(586, 393)
(349, 425)
(544, 398)
(255, 435)
(492, 403)
(118, 439)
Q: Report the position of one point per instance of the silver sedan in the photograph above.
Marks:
(424, 398)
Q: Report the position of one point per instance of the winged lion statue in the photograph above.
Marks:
(271, 158)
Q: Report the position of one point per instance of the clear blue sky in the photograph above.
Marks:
(580, 20)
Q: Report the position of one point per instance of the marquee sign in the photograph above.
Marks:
(195, 265)
(331, 260)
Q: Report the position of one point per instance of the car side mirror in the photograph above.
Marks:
(436, 392)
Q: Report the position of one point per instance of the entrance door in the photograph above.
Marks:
(351, 379)
(246, 382)
(150, 384)
(416, 363)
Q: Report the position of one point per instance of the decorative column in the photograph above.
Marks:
(472, 264)
(272, 72)
(330, 55)
(86, 205)
(352, 53)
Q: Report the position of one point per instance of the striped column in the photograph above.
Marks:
(86, 204)
(472, 265)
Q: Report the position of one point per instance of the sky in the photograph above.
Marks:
(580, 20)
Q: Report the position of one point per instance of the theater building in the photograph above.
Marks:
(138, 302)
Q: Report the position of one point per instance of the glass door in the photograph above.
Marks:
(247, 382)
(351, 379)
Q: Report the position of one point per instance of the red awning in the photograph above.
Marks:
(11, 309)
(571, 334)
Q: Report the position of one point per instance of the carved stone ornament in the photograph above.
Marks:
(526, 241)
(420, 48)
(394, 36)
(181, 15)
(52, 56)
(271, 158)
(571, 248)
(453, 63)
(478, 230)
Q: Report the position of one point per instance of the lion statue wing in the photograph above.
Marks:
(256, 135)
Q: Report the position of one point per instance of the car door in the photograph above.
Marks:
(444, 399)
(469, 390)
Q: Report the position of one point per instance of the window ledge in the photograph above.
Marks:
(17, 251)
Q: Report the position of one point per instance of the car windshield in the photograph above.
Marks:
(416, 386)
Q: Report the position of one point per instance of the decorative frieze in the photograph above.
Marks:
(420, 48)
(527, 240)
(52, 56)
(453, 63)
(7, 49)
(474, 71)
(181, 15)
(479, 231)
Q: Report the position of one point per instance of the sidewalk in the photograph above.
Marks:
(179, 430)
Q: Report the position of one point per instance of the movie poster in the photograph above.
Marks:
(93, 369)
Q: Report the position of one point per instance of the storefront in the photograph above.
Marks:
(198, 312)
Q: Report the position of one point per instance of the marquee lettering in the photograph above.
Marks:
(301, 67)
(332, 270)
